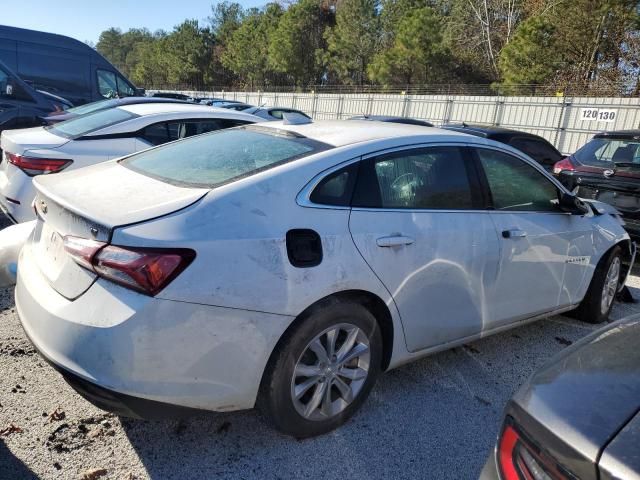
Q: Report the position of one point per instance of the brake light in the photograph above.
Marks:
(147, 270)
(563, 165)
(519, 460)
(38, 166)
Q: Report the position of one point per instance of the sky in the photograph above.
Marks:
(85, 20)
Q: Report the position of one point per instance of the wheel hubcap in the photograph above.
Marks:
(331, 372)
(610, 285)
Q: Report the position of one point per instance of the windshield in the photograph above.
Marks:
(93, 106)
(220, 157)
(77, 127)
(607, 152)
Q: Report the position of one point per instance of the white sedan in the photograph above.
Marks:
(95, 138)
(287, 266)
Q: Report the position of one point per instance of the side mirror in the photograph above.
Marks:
(571, 204)
(8, 89)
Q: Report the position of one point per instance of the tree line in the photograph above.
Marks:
(390, 42)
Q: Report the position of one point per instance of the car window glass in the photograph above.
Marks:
(79, 126)
(336, 188)
(124, 89)
(16, 91)
(221, 156)
(539, 150)
(516, 185)
(156, 134)
(427, 178)
(107, 84)
(276, 114)
(604, 152)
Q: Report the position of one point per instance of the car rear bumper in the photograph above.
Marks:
(16, 195)
(119, 347)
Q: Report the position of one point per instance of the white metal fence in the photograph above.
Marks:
(567, 122)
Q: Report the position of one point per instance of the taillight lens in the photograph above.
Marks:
(518, 459)
(147, 270)
(563, 165)
(38, 166)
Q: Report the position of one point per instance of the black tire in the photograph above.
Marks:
(275, 399)
(590, 309)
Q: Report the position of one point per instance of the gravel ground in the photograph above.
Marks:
(435, 418)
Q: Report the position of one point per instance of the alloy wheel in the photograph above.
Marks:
(610, 285)
(331, 372)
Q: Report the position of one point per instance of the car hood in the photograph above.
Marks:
(112, 195)
(19, 141)
(590, 390)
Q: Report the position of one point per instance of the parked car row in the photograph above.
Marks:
(330, 241)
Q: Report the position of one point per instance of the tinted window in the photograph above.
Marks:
(428, 178)
(107, 84)
(336, 188)
(541, 151)
(93, 106)
(15, 91)
(221, 156)
(79, 126)
(164, 132)
(603, 152)
(516, 185)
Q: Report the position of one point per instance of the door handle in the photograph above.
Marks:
(514, 233)
(394, 241)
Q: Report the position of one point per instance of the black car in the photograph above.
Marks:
(393, 119)
(607, 168)
(533, 145)
(175, 96)
(579, 416)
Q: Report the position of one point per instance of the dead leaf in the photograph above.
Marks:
(9, 430)
(93, 474)
(57, 415)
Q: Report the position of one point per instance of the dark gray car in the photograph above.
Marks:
(579, 416)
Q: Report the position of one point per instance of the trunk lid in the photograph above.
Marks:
(22, 140)
(90, 203)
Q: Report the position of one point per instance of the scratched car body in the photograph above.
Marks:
(287, 265)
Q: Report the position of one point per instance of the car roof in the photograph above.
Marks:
(345, 132)
(622, 134)
(486, 130)
(143, 109)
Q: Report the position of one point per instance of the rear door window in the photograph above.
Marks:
(425, 178)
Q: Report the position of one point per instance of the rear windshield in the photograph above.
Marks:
(77, 127)
(608, 152)
(93, 106)
(220, 157)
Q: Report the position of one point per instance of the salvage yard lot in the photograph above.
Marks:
(435, 418)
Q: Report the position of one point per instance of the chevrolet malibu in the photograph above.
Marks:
(286, 265)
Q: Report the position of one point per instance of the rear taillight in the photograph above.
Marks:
(563, 165)
(518, 459)
(38, 166)
(147, 270)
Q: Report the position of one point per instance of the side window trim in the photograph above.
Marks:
(303, 198)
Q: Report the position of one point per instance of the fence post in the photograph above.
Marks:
(369, 105)
(497, 114)
(560, 127)
(405, 103)
(340, 106)
(314, 102)
(259, 98)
